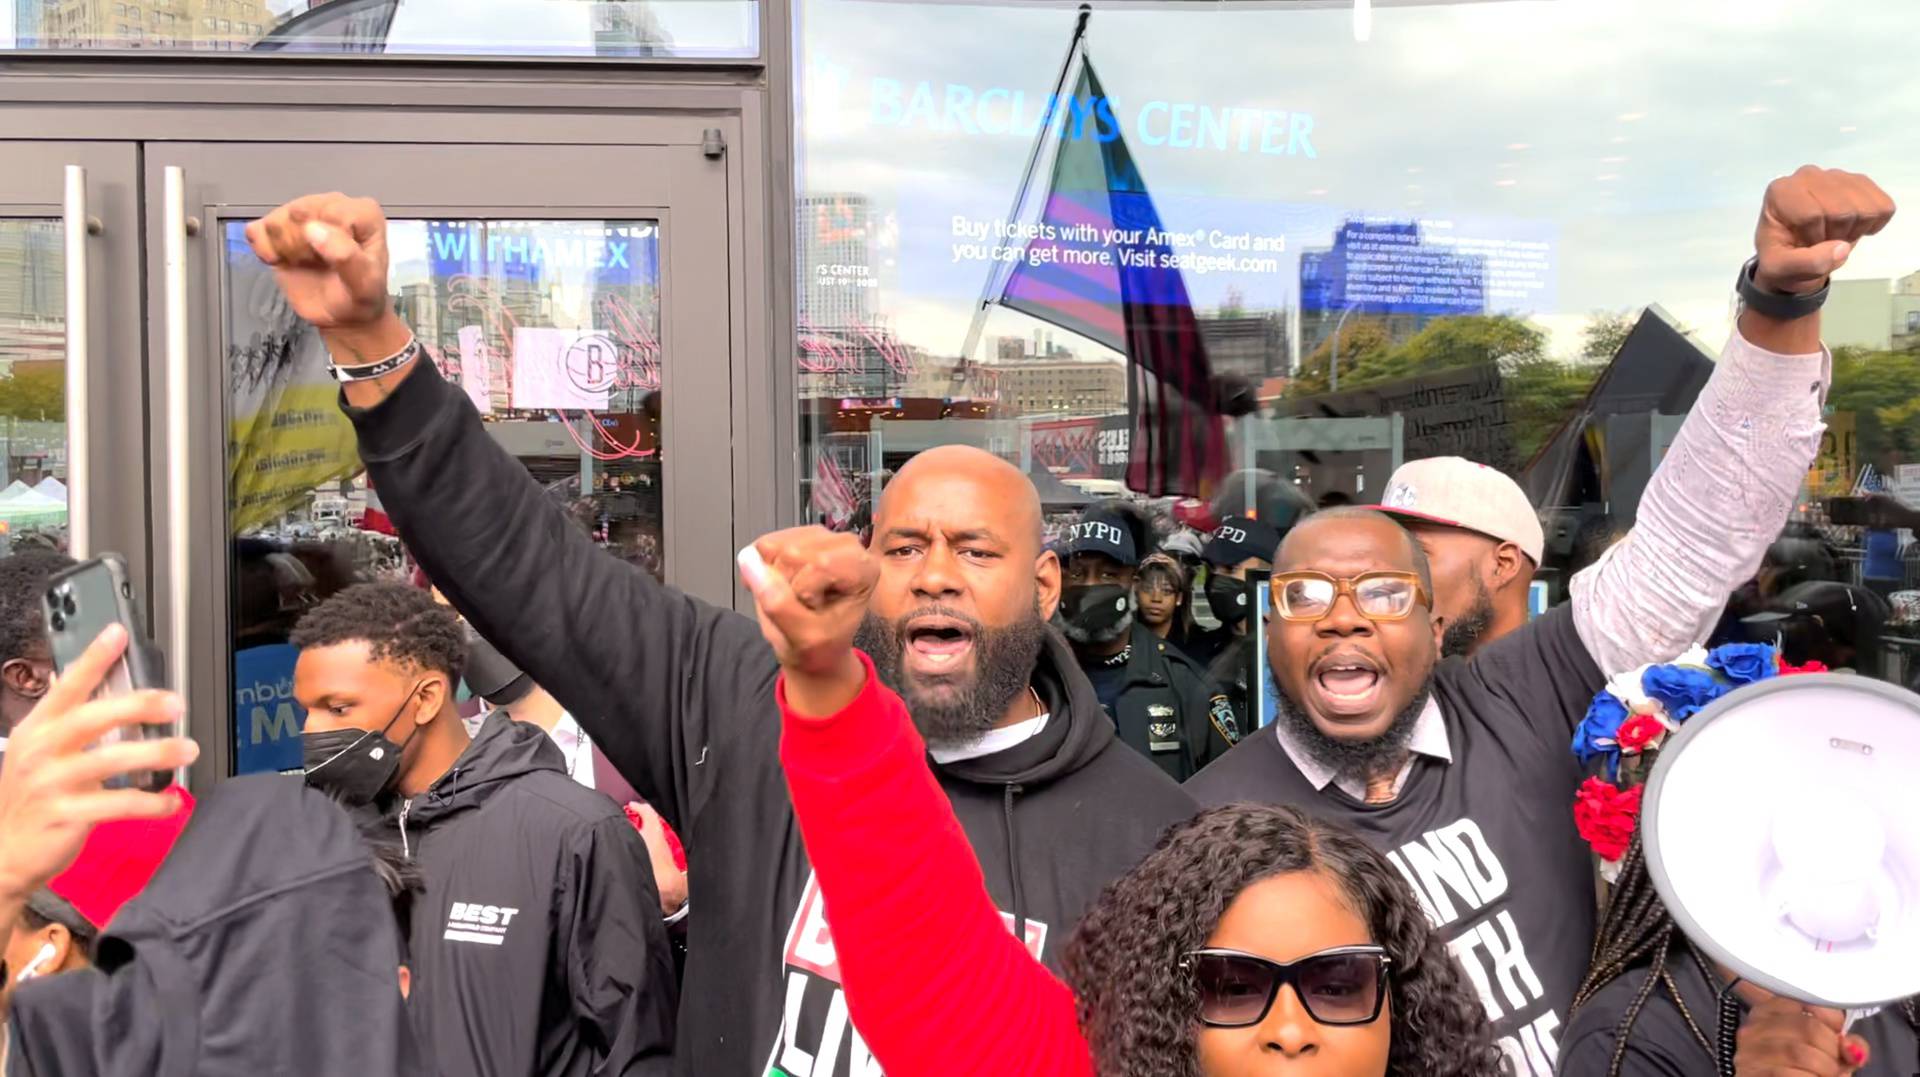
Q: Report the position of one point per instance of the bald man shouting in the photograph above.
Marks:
(679, 694)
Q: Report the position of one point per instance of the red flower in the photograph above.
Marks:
(1787, 670)
(1639, 731)
(1605, 815)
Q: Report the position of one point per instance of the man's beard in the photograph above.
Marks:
(1354, 760)
(1466, 631)
(1004, 660)
(1081, 636)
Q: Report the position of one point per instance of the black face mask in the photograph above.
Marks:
(1228, 599)
(354, 766)
(1093, 611)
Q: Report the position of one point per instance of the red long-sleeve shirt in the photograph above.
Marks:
(934, 981)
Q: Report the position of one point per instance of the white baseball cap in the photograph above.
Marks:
(1459, 493)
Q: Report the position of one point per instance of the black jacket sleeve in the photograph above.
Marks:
(655, 676)
(618, 968)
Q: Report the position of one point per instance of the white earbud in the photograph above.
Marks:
(33, 967)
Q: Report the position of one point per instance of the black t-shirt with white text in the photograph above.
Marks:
(1487, 841)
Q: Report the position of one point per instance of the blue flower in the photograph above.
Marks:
(1599, 731)
(1745, 663)
(1682, 690)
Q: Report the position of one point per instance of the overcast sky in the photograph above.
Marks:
(1638, 134)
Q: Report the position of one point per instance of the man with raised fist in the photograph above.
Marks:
(1460, 770)
(679, 693)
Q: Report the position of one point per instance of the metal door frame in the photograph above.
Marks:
(666, 177)
(200, 97)
(112, 492)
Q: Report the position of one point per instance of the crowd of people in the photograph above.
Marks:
(955, 799)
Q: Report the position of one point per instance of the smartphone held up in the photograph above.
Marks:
(81, 603)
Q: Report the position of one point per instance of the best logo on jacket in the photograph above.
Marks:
(816, 1038)
(474, 922)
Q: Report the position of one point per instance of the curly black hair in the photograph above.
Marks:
(23, 618)
(1138, 1008)
(397, 623)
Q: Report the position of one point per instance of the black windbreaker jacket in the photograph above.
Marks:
(538, 948)
(265, 944)
(679, 695)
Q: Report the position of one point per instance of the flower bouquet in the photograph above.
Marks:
(1634, 715)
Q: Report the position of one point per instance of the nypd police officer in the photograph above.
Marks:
(1159, 698)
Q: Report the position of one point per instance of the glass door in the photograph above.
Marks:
(72, 452)
(587, 320)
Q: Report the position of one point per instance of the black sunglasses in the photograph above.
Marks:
(1344, 986)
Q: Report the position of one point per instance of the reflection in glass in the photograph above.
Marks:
(630, 29)
(1441, 240)
(553, 330)
(33, 385)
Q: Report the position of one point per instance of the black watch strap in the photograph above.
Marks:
(1780, 306)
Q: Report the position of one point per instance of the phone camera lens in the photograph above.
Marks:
(66, 603)
(57, 621)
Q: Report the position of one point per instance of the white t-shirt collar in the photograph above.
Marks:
(995, 740)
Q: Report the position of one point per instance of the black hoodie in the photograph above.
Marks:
(265, 944)
(679, 694)
(538, 949)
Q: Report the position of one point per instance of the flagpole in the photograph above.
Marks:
(1026, 181)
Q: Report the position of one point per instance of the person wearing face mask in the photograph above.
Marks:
(1159, 698)
(501, 686)
(1240, 545)
(538, 946)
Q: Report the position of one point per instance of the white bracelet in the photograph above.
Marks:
(368, 372)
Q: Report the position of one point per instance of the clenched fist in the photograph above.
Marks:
(329, 255)
(811, 588)
(1809, 224)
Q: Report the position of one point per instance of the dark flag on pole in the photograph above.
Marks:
(1102, 266)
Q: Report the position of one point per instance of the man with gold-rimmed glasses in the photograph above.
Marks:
(1459, 769)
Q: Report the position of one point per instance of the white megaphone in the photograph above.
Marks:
(1781, 827)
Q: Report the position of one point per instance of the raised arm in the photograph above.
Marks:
(1730, 479)
(892, 863)
(654, 675)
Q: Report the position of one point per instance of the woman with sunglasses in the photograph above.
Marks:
(1252, 940)
(1256, 937)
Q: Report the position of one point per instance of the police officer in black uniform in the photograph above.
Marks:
(1158, 697)
(1234, 551)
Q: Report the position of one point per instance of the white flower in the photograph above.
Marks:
(1610, 870)
(1626, 688)
(1696, 656)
